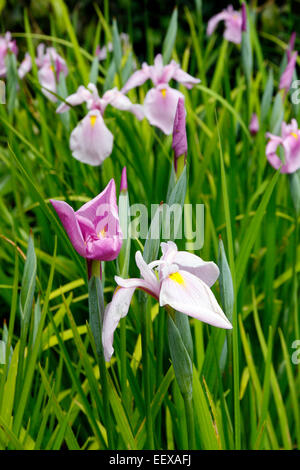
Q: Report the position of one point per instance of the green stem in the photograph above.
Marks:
(295, 278)
(146, 371)
(189, 413)
(96, 311)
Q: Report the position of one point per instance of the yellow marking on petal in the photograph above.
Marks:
(294, 135)
(93, 120)
(163, 92)
(177, 278)
(52, 68)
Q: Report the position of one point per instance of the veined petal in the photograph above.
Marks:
(91, 141)
(25, 66)
(115, 310)
(190, 295)
(118, 100)
(160, 107)
(147, 273)
(137, 79)
(71, 225)
(82, 95)
(47, 80)
(185, 78)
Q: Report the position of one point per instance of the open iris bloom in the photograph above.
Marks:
(161, 101)
(94, 230)
(290, 143)
(50, 65)
(91, 141)
(181, 281)
(233, 24)
(6, 45)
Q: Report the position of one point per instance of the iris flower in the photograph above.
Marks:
(161, 101)
(94, 230)
(180, 280)
(290, 143)
(233, 24)
(6, 45)
(91, 141)
(50, 65)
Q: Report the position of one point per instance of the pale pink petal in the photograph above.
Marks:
(25, 66)
(118, 100)
(71, 225)
(91, 141)
(82, 95)
(47, 80)
(160, 107)
(137, 79)
(186, 293)
(147, 273)
(115, 310)
(214, 20)
(186, 79)
(291, 146)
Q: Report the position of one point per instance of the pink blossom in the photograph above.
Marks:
(6, 45)
(289, 141)
(161, 101)
(91, 141)
(182, 281)
(93, 230)
(233, 24)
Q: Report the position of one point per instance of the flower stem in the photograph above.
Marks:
(189, 413)
(96, 312)
(146, 371)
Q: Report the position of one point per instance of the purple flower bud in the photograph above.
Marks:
(244, 17)
(179, 144)
(123, 185)
(291, 45)
(254, 124)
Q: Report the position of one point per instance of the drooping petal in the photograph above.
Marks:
(71, 225)
(190, 295)
(160, 107)
(91, 141)
(115, 310)
(118, 100)
(185, 78)
(82, 95)
(25, 66)
(214, 20)
(138, 78)
(137, 283)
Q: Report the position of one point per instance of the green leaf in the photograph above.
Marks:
(170, 38)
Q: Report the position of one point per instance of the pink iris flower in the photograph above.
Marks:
(50, 65)
(182, 281)
(91, 141)
(94, 230)
(290, 143)
(233, 24)
(161, 101)
(6, 45)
